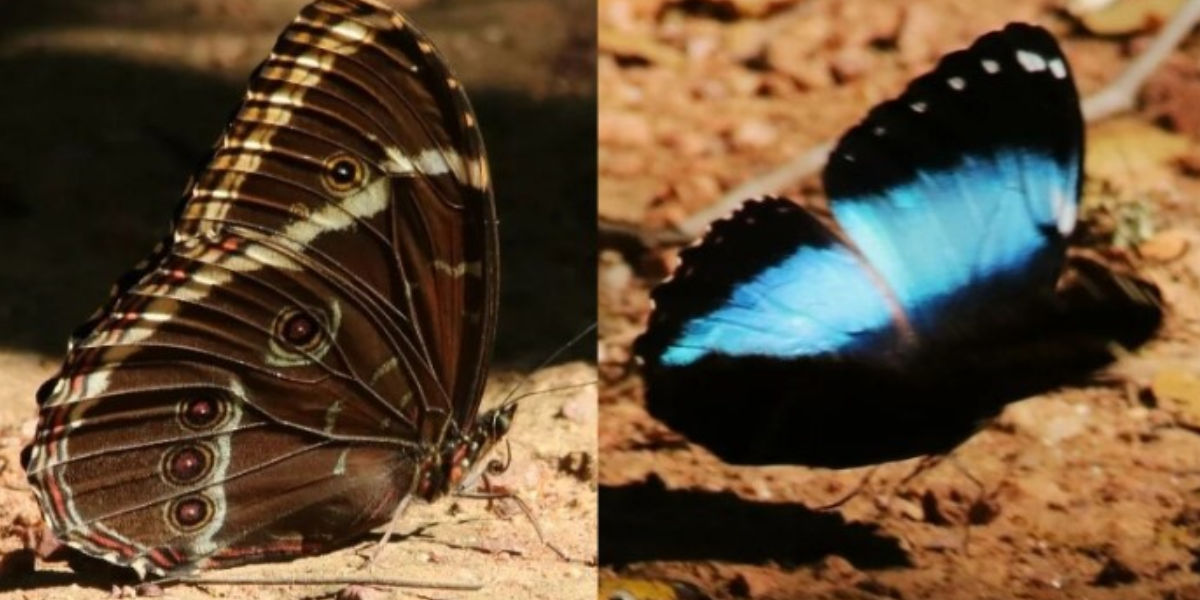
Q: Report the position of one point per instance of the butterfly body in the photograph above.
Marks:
(308, 346)
(927, 301)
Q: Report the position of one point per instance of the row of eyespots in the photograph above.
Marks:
(191, 463)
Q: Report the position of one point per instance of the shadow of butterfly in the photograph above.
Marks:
(306, 351)
(941, 291)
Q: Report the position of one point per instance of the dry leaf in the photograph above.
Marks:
(1126, 17)
(1178, 391)
(1131, 155)
(1165, 246)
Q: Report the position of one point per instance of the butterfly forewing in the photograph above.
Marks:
(982, 157)
(316, 325)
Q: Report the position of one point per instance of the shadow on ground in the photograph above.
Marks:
(646, 521)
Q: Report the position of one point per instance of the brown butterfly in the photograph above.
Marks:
(306, 351)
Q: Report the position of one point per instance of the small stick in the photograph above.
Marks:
(1119, 96)
(378, 581)
(391, 528)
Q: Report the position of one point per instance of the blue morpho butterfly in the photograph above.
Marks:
(943, 291)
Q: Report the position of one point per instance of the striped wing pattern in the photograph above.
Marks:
(310, 341)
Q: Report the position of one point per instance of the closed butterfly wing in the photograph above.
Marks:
(896, 329)
(291, 361)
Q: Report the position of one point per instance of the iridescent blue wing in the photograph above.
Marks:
(925, 304)
(953, 201)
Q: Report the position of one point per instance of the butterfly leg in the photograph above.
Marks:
(492, 491)
(962, 469)
(925, 465)
(858, 489)
(977, 509)
(387, 533)
(980, 506)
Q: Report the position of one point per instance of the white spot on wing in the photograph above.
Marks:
(435, 161)
(957, 83)
(351, 30)
(428, 162)
(284, 98)
(153, 317)
(368, 201)
(473, 268)
(331, 415)
(256, 145)
(312, 61)
(383, 369)
(340, 467)
(990, 66)
(1058, 68)
(1031, 62)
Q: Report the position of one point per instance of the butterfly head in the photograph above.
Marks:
(461, 461)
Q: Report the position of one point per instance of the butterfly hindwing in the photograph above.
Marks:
(747, 290)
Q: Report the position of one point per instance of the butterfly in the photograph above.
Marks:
(306, 351)
(939, 290)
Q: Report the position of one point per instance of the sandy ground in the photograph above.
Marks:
(1088, 492)
(105, 109)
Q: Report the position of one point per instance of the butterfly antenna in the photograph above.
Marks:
(511, 398)
(561, 388)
